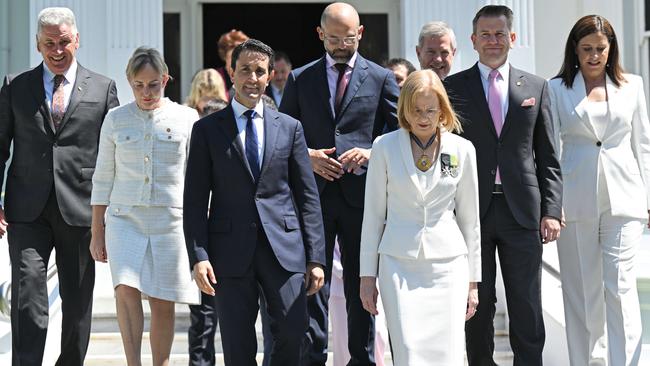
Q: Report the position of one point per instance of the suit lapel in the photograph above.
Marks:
(613, 93)
(516, 87)
(407, 158)
(475, 86)
(359, 75)
(38, 93)
(78, 91)
(271, 123)
(228, 126)
(578, 95)
(323, 88)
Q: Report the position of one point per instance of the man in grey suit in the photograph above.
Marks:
(506, 115)
(52, 114)
(344, 102)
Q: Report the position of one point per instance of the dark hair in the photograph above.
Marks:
(252, 45)
(493, 11)
(400, 61)
(279, 55)
(213, 105)
(585, 26)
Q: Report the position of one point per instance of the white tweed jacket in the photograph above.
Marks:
(142, 156)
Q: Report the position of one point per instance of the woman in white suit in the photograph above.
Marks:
(138, 187)
(602, 129)
(427, 259)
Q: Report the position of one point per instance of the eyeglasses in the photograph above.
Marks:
(428, 114)
(335, 41)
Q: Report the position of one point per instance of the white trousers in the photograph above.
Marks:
(601, 304)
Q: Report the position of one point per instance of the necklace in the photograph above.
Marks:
(424, 162)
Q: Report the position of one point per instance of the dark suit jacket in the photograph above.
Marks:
(41, 158)
(369, 107)
(524, 152)
(284, 200)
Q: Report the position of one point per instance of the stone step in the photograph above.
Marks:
(106, 350)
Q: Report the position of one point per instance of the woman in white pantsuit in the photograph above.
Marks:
(138, 187)
(602, 129)
(427, 259)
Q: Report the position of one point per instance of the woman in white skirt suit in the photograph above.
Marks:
(601, 125)
(138, 189)
(427, 259)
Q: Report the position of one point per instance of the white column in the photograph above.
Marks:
(109, 32)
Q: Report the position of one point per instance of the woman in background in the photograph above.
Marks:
(138, 186)
(602, 131)
(207, 85)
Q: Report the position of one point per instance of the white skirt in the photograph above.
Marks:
(425, 303)
(146, 250)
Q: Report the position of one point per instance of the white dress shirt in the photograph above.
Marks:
(68, 84)
(258, 123)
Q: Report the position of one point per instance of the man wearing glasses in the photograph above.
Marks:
(344, 102)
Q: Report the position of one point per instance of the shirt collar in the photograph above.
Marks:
(239, 108)
(330, 62)
(504, 70)
(69, 75)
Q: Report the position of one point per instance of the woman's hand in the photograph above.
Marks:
(472, 300)
(98, 246)
(368, 293)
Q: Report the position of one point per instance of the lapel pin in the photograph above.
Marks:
(518, 83)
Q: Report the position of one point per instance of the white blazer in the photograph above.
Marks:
(623, 152)
(400, 221)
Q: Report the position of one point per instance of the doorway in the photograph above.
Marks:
(286, 27)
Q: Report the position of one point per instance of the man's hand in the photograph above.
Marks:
(98, 245)
(325, 166)
(314, 278)
(472, 301)
(369, 293)
(354, 159)
(549, 229)
(204, 277)
(3, 223)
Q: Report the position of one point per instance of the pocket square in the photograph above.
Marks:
(530, 102)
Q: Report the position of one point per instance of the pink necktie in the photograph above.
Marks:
(58, 101)
(494, 103)
(341, 85)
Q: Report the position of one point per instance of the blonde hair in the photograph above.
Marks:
(423, 82)
(142, 57)
(206, 83)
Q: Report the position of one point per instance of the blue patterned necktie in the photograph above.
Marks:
(252, 145)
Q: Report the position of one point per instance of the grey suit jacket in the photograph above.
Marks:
(524, 151)
(43, 159)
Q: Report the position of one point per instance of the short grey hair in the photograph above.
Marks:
(56, 16)
(142, 57)
(437, 29)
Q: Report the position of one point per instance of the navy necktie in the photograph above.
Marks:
(252, 145)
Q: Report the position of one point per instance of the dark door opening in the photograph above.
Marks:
(290, 28)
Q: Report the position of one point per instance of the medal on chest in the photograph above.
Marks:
(424, 162)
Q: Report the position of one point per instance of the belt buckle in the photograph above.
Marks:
(497, 189)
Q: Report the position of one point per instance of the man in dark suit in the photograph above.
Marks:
(53, 115)
(281, 71)
(506, 115)
(343, 101)
(264, 228)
